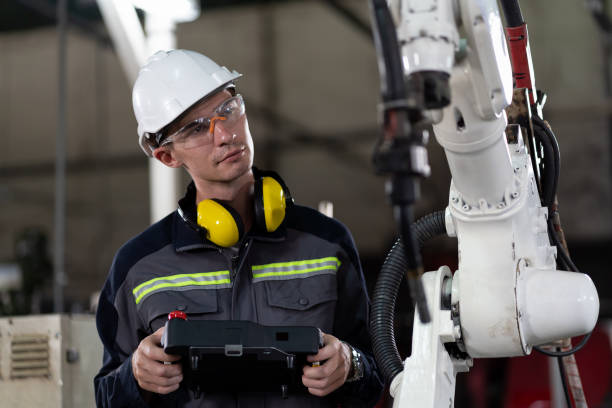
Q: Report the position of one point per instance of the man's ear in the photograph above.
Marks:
(166, 157)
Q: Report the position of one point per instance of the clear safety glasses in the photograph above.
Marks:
(201, 130)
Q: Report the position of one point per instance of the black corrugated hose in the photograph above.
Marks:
(386, 290)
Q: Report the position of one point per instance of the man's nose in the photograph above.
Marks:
(221, 134)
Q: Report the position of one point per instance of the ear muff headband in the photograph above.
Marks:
(260, 174)
(222, 223)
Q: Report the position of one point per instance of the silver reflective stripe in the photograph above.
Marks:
(296, 269)
(182, 282)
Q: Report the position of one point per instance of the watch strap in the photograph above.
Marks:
(356, 370)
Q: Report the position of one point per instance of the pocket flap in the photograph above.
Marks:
(301, 294)
(192, 302)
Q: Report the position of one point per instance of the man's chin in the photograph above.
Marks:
(234, 171)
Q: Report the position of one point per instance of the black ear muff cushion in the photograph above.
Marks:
(258, 202)
(188, 215)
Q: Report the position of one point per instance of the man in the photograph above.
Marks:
(302, 271)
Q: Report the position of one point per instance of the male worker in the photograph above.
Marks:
(268, 264)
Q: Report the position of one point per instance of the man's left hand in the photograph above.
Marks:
(335, 358)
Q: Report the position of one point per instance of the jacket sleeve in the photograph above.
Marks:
(351, 325)
(115, 385)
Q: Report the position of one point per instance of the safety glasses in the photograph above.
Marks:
(200, 131)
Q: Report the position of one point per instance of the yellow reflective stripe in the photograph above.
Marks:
(217, 278)
(296, 269)
(180, 284)
(296, 263)
(293, 272)
(182, 275)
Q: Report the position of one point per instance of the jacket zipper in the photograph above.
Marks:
(236, 263)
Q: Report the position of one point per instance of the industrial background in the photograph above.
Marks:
(311, 88)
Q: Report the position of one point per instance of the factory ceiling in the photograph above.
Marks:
(84, 15)
(28, 14)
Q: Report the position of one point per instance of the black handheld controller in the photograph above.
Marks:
(234, 355)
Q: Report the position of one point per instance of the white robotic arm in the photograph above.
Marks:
(506, 295)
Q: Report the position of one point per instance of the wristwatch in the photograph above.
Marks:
(356, 371)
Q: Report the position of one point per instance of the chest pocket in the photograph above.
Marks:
(300, 293)
(195, 294)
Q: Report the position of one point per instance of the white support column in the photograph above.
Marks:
(133, 47)
(126, 32)
(164, 182)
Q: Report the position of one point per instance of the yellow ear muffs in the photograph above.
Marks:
(270, 204)
(222, 223)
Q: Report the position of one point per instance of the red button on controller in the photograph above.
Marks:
(177, 314)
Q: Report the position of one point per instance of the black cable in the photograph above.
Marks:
(551, 140)
(550, 181)
(563, 255)
(551, 160)
(512, 12)
(568, 399)
(568, 352)
(413, 259)
(549, 173)
(385, 294)
(394, 151)
(389, 60)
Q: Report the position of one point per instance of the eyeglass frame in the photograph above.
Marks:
(159, 138)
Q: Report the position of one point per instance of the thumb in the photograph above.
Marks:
(157, 335)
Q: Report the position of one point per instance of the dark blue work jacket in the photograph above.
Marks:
(306, 273)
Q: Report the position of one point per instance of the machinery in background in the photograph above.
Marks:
(48, 361)
(22, 283)
(446, 62)
(11, 280)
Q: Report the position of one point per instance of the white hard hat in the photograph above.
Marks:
(168, 84)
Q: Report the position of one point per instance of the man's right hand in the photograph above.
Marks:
(149, 369)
